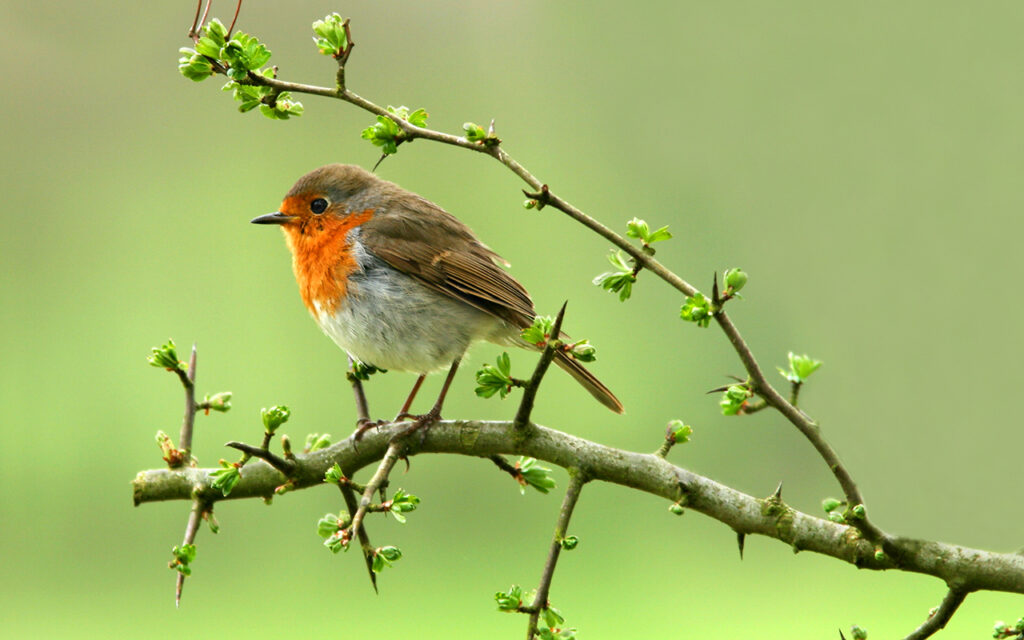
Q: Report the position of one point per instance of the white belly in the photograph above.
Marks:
(391, 321)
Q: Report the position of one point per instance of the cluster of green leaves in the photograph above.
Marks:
(479, 135)
(697, 309)
(166, 357)
(383, 557)
(361, 371)
(800, 368)
(316, 441)
(637, 228)
(539, 332)
(569, 542)
(183, 556)
(735, 279)
(512, 599)
(549, 626)
(582, 350)
(498, 379)
(858, 633)
(734, 398)
(386, 133)
(334, 475)
(237, 55)
(1004, 631)
(332, 35)
(226, 477)
(274, 417)
(400, 504)
(679, 432)
(333, 528)
(530, 473)
(217, 402)
(620, 280)
(172, 455)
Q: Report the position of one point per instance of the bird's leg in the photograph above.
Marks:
(403, 413)
(425, 420)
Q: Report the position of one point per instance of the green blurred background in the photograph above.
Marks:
(861, 161)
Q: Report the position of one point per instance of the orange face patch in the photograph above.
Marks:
(321, 252)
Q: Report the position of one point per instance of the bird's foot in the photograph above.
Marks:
(421, 423)
(365, 424)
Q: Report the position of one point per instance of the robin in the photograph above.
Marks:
(401, 284)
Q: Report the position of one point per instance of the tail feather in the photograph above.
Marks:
(602, 393)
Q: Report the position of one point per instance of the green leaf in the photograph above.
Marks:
(735, 279)
(534, 475)
(583, 351)
(491, 380)
(539, 332)
(800, 368)
(697, 309)
(474, 132)
(680, 432)
(332, 41)
(383, 557)
(331, 524)
(569, 542)
(218, 402)
(226, 477)
(166, 357)
(317, 441)
(734, 398)
(334, 475)
(831, 504)
(216, 31)
(361, 371)
(619, 281)
(509, 600)
(402, 503)
(418, 118)
(274, 417)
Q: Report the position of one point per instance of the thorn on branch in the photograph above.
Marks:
(287, 467)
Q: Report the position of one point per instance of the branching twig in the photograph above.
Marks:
(364, 538)
(938, 619)
(391, 457)
(577, 479)
(533, 385)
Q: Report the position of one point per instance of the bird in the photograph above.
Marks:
(401, 284)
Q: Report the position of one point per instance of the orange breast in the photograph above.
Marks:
(322, 258)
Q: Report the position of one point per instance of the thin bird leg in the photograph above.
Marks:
(434, 414)
(403, 413)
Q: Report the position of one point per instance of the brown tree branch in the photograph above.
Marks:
(938, 618)
(970, 569)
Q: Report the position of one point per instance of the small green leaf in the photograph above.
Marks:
(734, 399)
(800, 368)
(334, 475)
(274, 417)
(539, 332)
(216, 31)
(491, 380)
(680, 432)
(509, 600)
(735, 279)
(534, 475)
(583, 351)
(218, 402)
(361, 371)
(569, 542)
(317, 441)
(226, 477)
(332, 523)
(619, 281)
(333, 40)
(697, 309)
(677, 509)
(858, 633)
(166, 357)
(831, 504)
(383, 557)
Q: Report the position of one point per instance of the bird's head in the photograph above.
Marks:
(323, 200)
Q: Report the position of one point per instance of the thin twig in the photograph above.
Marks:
(362, 408)
(506, 466)
(533, 385)
(191, 529)
(394, 452)
(193, 31)
(572, 493)
(364, 538)
(938, 619)
(238, 8)
(188, 380)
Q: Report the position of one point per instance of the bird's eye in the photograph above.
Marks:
(318, 206)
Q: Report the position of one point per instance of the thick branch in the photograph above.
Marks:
(969, 569)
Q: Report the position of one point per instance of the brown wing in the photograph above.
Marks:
(421, 239)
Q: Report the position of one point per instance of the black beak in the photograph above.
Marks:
(273, 218)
